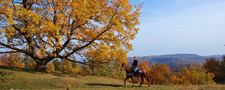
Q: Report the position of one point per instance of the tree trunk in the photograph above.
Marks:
(41, 66)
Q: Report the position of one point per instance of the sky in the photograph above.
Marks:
(180, 27)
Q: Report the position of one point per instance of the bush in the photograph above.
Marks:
(195, 75)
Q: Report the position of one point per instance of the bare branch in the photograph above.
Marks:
(8, 52)
(14, 48)
(30, 6)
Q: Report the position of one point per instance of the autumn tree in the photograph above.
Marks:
(76, 68)
(160, 74)
(86, 70)
(50, 67)
(68, 67)
(4, 60)
(113, 56)
(32, 65)
(116, 71)
(15, 60)
(95, 68)
(195, 75)
(144, 65)
(222, 72)
(26, 60)
(29, 62)
(217, 67)
(110, 69)
(57, 64)
(49, 29)
(212, 65)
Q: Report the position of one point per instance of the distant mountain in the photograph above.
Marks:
(175, 61)
(216, 56)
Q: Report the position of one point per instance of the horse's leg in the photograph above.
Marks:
(147, 79)
(132, 80)
(125, 81)
(142, 79)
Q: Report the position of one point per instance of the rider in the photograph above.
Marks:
(135, 65)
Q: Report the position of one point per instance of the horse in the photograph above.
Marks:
(129, 73)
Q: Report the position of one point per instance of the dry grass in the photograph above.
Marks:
(14, 78)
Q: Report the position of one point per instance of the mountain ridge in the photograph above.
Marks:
(175, 61)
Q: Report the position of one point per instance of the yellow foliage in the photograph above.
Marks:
(61, 28)
(31, 65)
(175, 80)
(68, 67)
(104, 53)
(22, 65)
(50, 67)
(144, 65)
(159, 74)
(195, 75)
(15, 60)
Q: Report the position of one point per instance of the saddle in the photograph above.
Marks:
(139, 71)
(136, 71)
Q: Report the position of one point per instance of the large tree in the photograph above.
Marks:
(49, 29)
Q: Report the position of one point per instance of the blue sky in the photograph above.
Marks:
(180, 26)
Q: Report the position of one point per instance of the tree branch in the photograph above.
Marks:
(14, 48)
(108, 27)
(69, 39)
(30, 6)
(8, 52)
(28, 39)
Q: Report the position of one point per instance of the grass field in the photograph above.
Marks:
(14, 78)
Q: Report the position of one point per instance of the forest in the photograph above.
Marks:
(208, 73)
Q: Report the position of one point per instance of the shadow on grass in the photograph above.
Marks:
(58, 73)
(34, 72)
(101, 84)
(5, 73)
(18, 69)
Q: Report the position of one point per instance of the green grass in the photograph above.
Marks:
(14, 78)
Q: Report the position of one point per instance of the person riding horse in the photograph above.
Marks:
(135, 66)
(129, 71)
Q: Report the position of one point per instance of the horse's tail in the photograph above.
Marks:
(146, 70)
(148, 76)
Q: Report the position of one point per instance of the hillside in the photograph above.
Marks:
(14, 78)
(175, 61)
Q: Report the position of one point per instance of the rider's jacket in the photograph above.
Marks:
(135, 63)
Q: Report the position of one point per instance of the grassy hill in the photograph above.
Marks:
(14, 78)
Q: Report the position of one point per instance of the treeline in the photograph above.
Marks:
(23, 61)
(163, 75)
(210, 72)
(110, 69)
(217, 67)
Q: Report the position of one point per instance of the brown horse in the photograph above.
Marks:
(129, 73)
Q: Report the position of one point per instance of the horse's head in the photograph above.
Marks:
(122, 66)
